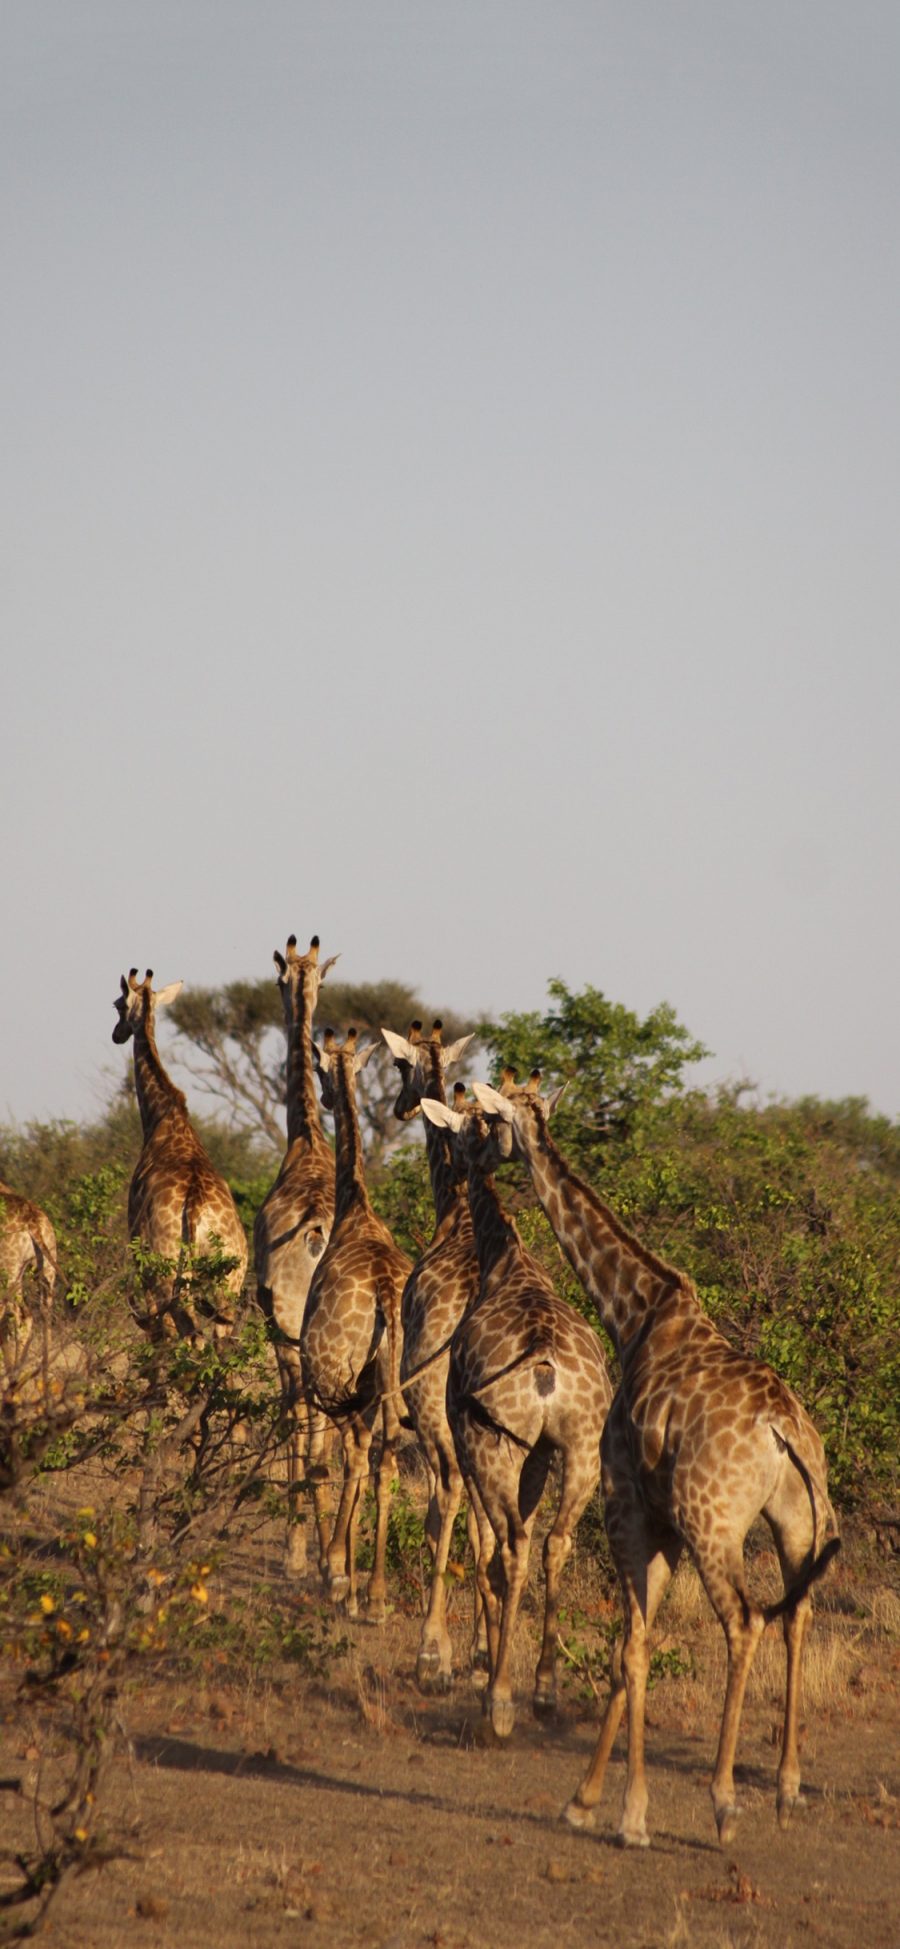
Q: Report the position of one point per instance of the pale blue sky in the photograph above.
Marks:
(450, 474)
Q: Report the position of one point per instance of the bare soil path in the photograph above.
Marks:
(288, 1810)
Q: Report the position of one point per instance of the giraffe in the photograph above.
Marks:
(350, 1338)
(442, 1284)
(527, 1382)
(178, 1204)
(700, 1441)
(294, 1220)
(27, 1250)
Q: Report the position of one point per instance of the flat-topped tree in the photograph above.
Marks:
(444, 1281)
(229, 1041)
(179, 1206)
(294, 1220)
(700, 1441)
(527, 1382)
(351, 1335)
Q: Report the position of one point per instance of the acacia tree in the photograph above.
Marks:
(618, 1069)
(230, 1040)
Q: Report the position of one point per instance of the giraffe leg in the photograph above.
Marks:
(317, 1450)
(787, 1514)
(579, 1812)
(789, 1796)
(295, 1556)
(578, 1486)
(514, 1554)
(480, 1661)
(376, 1597)
(351, 1601)
(743, 1625)
(341, 1552)
(642, 1604)
(489, 1595)
(434, 1664)
(645, 1563)
(296, 1414)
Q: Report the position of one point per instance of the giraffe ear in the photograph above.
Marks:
(400, 1048)
(441, 1114)
(457, 1049)
(322, 1059)
(332, 958)
(280, 963)
(363, 1055)
(492, 1101)
(555, 1097)
(164, 996)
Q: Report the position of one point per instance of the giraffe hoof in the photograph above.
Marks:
(338, 1587)
(503, 1717)
(544, 1705)
(786, 1805)
(376, 1612)
(481, 1671)
(726, 1821)
(431, 1675)
(633, 1837)
(577, 1816)
(295, 1562)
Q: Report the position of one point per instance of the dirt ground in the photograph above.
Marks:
(351, 1810)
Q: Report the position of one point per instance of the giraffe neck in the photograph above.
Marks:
(349, 1173)
(156, 1093)
(495, 1234)
(626, 1282)
(446, 1187)
(302, 1104)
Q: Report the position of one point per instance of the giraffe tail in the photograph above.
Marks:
(343, 1407)
(539, 1343)
(814, 1570)
(824, 1524)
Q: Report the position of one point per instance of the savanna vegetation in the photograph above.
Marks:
(785, 1214)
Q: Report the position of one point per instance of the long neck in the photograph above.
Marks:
(625, 1281)
(349, 1172)
(495, 1234)
(446, 1187)
(302, 1103)
(156, 1093)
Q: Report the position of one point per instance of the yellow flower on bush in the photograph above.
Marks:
(48, 1604)
(64, 1630)
(200, 1593)
(89, 1540)
(155, 1577)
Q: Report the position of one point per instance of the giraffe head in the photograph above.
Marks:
(421, 1064)
(473, 1140)
(300, 976)
(514, 1108)
(344, 1057)
(137, 1004)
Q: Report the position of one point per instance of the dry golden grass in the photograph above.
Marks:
(830, 1658)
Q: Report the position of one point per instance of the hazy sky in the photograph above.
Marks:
(451, 496)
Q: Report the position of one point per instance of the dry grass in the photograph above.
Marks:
(884, 1609)
(830, 1658)
(376, 1693)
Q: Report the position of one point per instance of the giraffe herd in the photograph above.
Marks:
(496, 1376)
